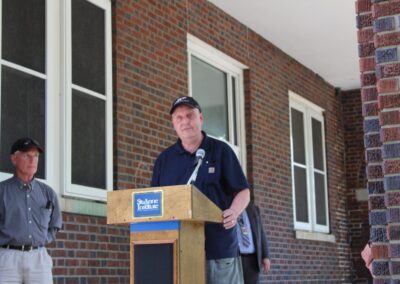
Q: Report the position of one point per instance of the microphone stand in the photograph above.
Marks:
(193, 177)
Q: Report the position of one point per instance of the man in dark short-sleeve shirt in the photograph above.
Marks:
(30, 216)
(220, 178)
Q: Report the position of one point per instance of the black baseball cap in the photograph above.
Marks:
(189, 101)
(25, 144)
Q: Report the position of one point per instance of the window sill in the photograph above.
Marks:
(314, 236)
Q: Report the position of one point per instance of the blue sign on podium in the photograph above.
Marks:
(147, 204)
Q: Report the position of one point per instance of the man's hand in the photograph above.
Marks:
(230, 218)
(266, 265)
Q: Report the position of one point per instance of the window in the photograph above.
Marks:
(56, 88)
(309, 179)
(216, 82)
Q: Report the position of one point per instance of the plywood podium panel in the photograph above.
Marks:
(180, 202)
(170, 237)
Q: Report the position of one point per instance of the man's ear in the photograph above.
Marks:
(13, 159)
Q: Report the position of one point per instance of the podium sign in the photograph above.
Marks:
(166, 232)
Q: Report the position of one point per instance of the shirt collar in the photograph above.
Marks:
(21, 184)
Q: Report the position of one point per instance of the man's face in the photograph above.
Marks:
(187, 122)
(25, 163)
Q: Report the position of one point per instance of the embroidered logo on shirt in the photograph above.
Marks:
(211, 170)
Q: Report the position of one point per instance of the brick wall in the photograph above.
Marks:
(88, 251)
(150, 70)
(380, 78)
(356, 182)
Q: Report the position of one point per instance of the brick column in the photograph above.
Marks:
(379, 50)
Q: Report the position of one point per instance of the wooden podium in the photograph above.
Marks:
(166, 232)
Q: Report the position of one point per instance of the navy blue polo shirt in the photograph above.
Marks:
(219, 178)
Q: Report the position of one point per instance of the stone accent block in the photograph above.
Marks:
(390, 134)
(391, 183)
(363, 21)
(393, 215)
(366, 49)
(391, 167)
(384, 24)
(384, 55)
(378, 234)
(394, 250)
(392, 38)
(386, 9)
(377, 218)
(370, 109)
(389, 117)
(379, 251)
(392, 198)
(373, 155)
(376, 202)
(375, 187)
(369, 94)
(394, 232)
(391, 150)
(367, 79)
(365, 35)
(363, 6)
(372, 140)
(389, 101)
(380, 268)
(371, 125)
(388, 85)
(374, 171)
(367, 64)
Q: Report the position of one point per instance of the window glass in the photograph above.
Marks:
(23, 33)
(88, 142)
(298, 137)
(209, 89)
(88, 46)
(320, 199)
(317, 144)
(300, 184)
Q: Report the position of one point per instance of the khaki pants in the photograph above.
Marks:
(27, 267)
(224, 271)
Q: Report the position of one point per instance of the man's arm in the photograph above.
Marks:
(239, 204)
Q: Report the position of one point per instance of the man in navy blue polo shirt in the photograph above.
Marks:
(220, 178)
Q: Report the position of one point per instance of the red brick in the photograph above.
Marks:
(389, 101)
(367, 79)
(386, 8)
(369, 94)
(379, 251)
(391, 167)
(389, 117)
(387, 39)
(388, 85)
(365, 35)
(389, 70)
(374, 172)
(367, 64)
(392, 198)
(363, 6)
(390, 134)
(370, 109)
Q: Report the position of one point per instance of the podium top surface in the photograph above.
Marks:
(180, 202)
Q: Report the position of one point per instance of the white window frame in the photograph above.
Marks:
(58, 108)
(71, 189)
(233, 69)
(309, 110)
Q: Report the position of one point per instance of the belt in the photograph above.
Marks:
(21, 248)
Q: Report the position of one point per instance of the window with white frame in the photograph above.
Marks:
(216, 82)
(309, 176)
(56, 88)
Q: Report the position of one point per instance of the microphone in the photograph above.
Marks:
(200, 153)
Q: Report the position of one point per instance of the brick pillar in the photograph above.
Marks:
(378, 22)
